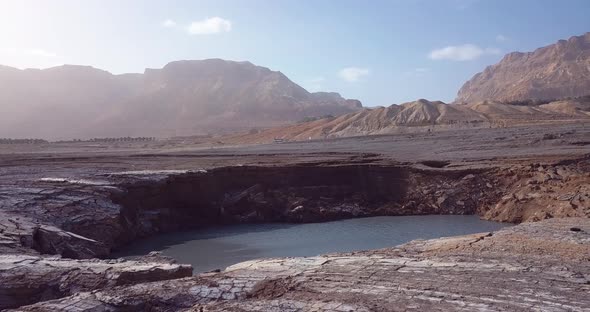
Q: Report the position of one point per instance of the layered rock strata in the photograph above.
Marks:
(532, 266)
(27, 279)
(83, 218)
(555, 71)
(56, 208)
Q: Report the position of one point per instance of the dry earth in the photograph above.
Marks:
(424, 116)
(61, 202)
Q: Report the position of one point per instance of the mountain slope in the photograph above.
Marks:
(183, 98)
(422, 116)
(556, 71)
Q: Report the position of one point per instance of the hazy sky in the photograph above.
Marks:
(381, 52)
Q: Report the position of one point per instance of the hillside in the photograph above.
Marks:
(183, 98)
(423, 116)
(556, 71)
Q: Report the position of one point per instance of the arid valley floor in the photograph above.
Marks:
(63, 205)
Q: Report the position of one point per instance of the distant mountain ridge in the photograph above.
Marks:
(553, 72)
(182, 98)
(423, 116)
(551, 84)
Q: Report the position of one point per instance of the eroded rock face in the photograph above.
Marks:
(77, 205)
(27, 279)
(542, 265)
(84, 213)
(555, 71)
(536, 192)
(299, 193)
(20, 234)
(85, 220)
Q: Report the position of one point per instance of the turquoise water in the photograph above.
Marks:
(218, 247)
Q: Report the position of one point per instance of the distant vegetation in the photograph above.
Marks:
(22, 141)
(585, 98)
(537, 102)
(308, 119)
(109, 140)
(124, 139)
(101, 140)
(529, 102)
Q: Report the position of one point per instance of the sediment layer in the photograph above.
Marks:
(532, 266)
(57, 210)
(84, 218)
(27, 279)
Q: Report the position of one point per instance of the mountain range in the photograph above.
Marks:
(423, 116)
(550, 84)
(553, 72)
(182, 98)
(216, 96)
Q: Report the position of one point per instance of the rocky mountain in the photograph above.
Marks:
(183, 98)
(423, 115)
(553, 72)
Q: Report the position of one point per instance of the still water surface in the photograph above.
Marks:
(219, 247)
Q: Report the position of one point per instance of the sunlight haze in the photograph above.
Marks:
(403, 49)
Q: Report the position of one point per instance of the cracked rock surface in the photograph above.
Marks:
(27, 278)
(63, 205)
(20, 234)
(542, 266)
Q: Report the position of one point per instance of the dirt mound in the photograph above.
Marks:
(569, 107)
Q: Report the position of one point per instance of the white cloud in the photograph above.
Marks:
(208, 26)
(501, 38)
(353, 74)
(39, 52)
(465, 52)
(168, 23)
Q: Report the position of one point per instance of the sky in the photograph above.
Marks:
(380, 52)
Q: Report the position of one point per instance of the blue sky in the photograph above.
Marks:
(381, 52)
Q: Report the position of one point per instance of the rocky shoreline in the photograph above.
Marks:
(541, 266)
(60, 212)
(27, 279)
(87, 217)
